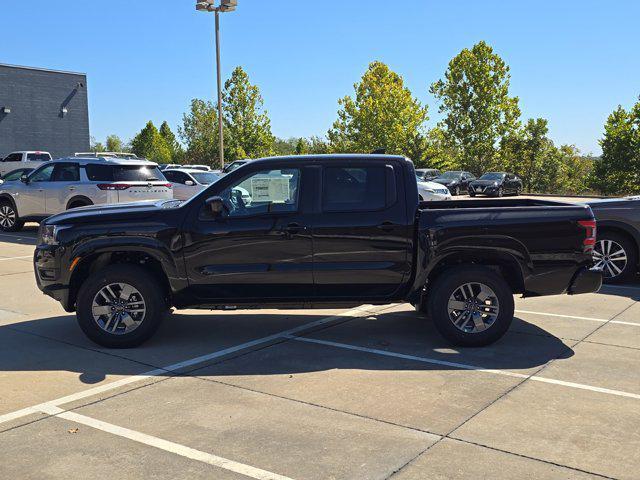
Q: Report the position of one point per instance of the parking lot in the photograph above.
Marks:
(371, 392)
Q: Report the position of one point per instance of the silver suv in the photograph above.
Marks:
(77, 182)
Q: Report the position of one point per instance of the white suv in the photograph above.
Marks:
(77, 182)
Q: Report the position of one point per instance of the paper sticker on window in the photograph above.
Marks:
(270, 189)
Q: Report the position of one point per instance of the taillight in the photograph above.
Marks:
(113, 186)
(590, 238)
(168, 185)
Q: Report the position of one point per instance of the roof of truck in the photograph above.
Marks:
(333, 156)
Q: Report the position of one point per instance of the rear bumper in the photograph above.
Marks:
(586, 280)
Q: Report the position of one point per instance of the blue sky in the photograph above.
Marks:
(572, 62)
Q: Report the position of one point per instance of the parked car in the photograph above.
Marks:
(618, 239)
(456, 181)
(322, 230)
(205, 168)
(30, 159)
(16, 174)
(427, 174)
(74, 182)
(495, 184)
(233, 165)
(166, 166)
(430, 191)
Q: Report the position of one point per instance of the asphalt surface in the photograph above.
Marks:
(369, 393)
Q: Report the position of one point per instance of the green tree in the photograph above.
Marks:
(199, 132)
(618, 169)
(284, 146)
(177, 152)
(537, 156)
(302, 146)
(96, 146)
(474, 96)
(438, 152)
(383, 114)
(114, 144)
(151, 145)
(248, 125)
(575, 169)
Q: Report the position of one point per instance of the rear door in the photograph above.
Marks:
(62, 187)
(361, 233)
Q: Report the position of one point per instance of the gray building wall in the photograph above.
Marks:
(36, 98)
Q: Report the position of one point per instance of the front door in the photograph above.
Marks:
(362, 234)
(259, 248)
(31, 196)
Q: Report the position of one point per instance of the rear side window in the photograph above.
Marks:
(38, 157)
(66, 172)
(123, 173)
(353, 189)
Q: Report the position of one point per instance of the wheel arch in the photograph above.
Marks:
(86, 201)
(620, 229)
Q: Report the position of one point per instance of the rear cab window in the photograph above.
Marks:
(38, 157)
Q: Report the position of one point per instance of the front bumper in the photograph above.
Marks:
(586, 280)
(49, 276)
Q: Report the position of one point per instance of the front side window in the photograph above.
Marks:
(353, 189)
(14, 157)
(266, 191)
(43, 174)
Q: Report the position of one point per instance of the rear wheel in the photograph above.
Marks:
(120, 306)
(471, 306)
(616, 255)
(9, 220)
(78, 204)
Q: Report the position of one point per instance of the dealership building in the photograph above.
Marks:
(43, 110)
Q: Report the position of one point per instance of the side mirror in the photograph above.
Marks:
(215, 205)
(189, 183)
(24, 178)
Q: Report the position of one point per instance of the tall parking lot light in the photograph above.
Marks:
(224, 6)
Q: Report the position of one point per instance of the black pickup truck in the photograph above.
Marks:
(314, 231)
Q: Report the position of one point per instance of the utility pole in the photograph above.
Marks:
(225, 6)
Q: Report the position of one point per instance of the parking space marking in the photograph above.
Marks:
(365, 309)
(464, 366)
(600, 320)
(4, 259)
(166, 445)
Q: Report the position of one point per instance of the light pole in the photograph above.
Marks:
(225, 6)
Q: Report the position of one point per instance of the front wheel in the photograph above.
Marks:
(471, 306)
(456, 191)
(472, 193)
(9, 220)
(120, 306)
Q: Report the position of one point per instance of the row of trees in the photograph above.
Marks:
(481, 129)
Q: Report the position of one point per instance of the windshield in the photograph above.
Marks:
(16, 174)
(205, 178)
(492, 176)
(450, 175)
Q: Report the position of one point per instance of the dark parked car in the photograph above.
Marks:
(496, 184)
(233, 165)
(339, 230)
(618, 239)
(456, 182)
(427, 174)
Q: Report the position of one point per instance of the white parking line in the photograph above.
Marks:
(177, 366)
(176, 448)
(464, 366)
(4, 259)
(600, 320)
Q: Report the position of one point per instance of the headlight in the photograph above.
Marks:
(48, 234)
(495, 184)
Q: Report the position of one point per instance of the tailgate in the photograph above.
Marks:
(141, 191)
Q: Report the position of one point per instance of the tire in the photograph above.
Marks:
(607, 245)
(456, 192)
(517, 191)
(493, 327)
(145, 286)
(9, 219)
(78, 204)
(500, 192)
(472, 193)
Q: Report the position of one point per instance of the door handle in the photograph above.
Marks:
(293, 228)
(387, 226)
(71, 189)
